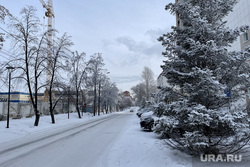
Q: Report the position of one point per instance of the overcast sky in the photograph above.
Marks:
(124, 31)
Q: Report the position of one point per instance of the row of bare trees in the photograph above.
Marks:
(143, 90)
(66, 69)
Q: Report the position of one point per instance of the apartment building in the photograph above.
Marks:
(239, 17)
(178, 21)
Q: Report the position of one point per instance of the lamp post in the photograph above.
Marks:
(68, 89)
(8, 115)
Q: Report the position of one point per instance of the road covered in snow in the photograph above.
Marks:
(111, 140)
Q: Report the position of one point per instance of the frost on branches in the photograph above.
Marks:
(196, 118)
(3, 13)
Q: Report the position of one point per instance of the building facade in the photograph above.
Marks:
(162, 81)
(15, 97)
(240, 17)
(178, 21)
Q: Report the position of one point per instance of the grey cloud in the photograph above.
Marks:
(142, 48)
(125, 79)
(154, 34)
(154, 50)
(131, 43)
(132, 60)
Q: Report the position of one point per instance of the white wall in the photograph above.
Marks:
(25, 109)
(239, 17)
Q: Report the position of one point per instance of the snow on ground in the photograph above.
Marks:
(132, 148)
(21, 127)
(138, 148)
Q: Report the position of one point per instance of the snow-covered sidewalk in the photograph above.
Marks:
(22, 127)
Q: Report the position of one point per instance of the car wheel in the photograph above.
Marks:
(151, 126)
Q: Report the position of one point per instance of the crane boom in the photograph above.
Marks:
(49, 8)
(43, 3)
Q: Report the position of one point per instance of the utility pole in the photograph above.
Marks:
(68, 99)
(8, 115)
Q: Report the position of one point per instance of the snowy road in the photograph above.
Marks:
(81, 144)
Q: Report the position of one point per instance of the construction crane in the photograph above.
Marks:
(50, 15)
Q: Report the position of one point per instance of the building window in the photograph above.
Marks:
(245, 36)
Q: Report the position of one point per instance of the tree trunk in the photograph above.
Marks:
(82, 110)
(99, 99)
(78, 111)
(52, 117)
(94, 100)
(77, 105)
(51, 107)
(68, 105)
(37, 117)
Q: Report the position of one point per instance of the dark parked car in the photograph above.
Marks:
(147, 121)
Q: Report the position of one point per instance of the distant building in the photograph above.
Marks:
(124, 100)
(126, 93)
(240, 17)
(162, 80)
(178, 21)
(15, 97)
(19, 97)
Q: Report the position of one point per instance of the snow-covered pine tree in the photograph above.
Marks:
(199, 65)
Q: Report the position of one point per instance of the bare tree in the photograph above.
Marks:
(139, 92)
(31, 53)
(148, 79)
(143, 90)
(109, 95)
(96, 64)
(57, 66)
(78, 72)
(3, 13)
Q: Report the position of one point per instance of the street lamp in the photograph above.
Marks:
(68, 89)
(8, 115)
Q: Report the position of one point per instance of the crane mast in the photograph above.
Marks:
(50, 15)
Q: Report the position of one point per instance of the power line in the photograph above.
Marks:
(8, 53)
(4, 56)
(11, 35)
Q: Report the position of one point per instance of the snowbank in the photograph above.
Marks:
(21, 127)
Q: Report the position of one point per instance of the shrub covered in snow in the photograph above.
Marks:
(197, 130)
